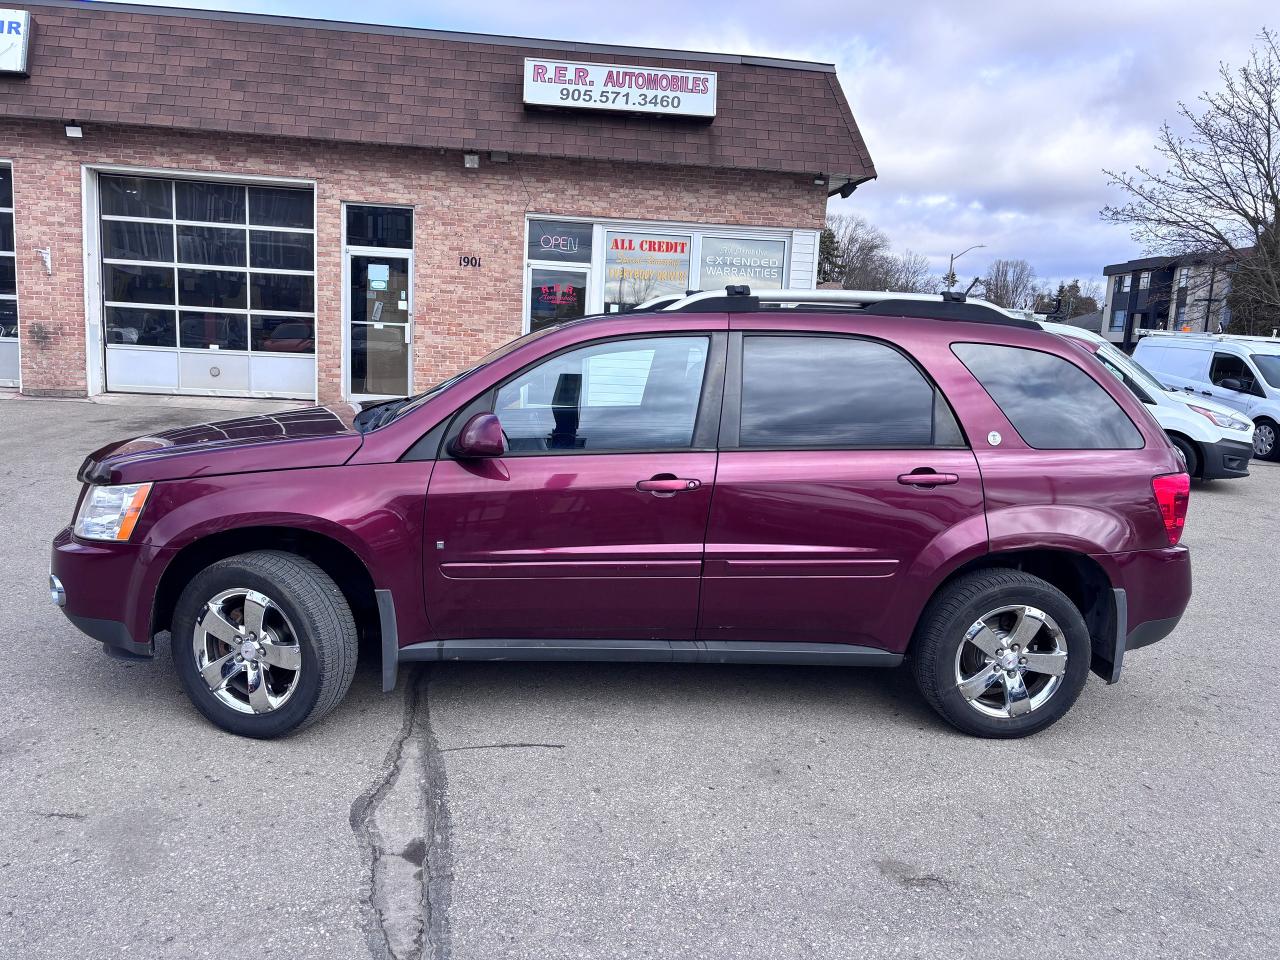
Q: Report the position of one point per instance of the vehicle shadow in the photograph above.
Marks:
(884, 697)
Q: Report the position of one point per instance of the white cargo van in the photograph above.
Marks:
(1215, 441)
(1241, 372)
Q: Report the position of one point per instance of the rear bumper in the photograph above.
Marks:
(1151, 591)
(1225, 460)
(98, 584)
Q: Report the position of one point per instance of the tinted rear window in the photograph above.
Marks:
(1052, 403)
(837, 392)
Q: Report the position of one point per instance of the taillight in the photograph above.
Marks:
(1173, 491)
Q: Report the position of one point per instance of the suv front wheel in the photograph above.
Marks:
(264, 643)
(1001, 653)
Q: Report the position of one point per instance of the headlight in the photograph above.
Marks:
(1230, 421)
(110, 513)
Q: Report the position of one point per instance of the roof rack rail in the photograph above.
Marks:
(951, 305)
(661, 301)
(1205, 335)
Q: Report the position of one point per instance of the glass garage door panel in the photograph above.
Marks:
(8, 283)
(207, 287)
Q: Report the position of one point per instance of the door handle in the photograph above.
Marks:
(927, 477)
(1206, 393)
(666, 485)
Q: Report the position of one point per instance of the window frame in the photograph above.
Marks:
(707, 418)
(731, 413)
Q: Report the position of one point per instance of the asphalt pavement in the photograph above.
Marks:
(488, 811)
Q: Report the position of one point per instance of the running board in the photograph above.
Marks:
(638, 651)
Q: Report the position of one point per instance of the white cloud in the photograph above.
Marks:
(989, 123)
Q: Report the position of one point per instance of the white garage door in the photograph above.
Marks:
(208, 287)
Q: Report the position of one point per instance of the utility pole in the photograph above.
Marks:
(951, 267)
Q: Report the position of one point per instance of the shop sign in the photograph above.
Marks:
(560, 240)
(15, 38)
(639, 266)
(758, 263)
(611, 86)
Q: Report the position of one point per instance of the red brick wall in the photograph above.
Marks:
(459, 313)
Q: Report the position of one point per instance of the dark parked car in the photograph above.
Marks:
(723, 480)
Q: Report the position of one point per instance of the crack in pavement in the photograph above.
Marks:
(504, 746)
(402, 823)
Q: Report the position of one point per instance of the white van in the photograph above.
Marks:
(1241, 372)
(1216, 442)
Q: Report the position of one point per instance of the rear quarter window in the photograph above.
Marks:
(1052, 403)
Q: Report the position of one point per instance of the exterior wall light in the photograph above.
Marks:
(471, 161)
(74, 131)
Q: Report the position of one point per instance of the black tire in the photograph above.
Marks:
(958, 606)
(321, 619)
(1190, 453)
(1274, 452)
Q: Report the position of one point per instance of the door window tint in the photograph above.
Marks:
(1052, 403)
(623, 395)
(1226, 366)
(837, 392)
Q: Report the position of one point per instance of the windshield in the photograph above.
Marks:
(1130, 366)
(379, 415)
(1269, 366)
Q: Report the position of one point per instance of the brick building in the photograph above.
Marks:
(242, 205)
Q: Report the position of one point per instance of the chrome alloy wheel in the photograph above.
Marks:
(247, 651)
(1011, 661)
(1264, 439)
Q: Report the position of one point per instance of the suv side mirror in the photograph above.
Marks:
(481, 437)
(1231, 383)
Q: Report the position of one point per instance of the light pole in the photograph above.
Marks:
(951, 268)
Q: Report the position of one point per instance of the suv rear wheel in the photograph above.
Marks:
(264, 643)
(1001, 653)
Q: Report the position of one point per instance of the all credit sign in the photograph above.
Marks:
(610, 86)
(15, 37)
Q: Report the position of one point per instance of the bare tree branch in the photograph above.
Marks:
(1214, 193)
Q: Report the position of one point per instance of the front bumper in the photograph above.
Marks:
(1225, 459)
(98, 583)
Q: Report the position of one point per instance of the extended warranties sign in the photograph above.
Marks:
(15, 39)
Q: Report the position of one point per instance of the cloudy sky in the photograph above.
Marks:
(989, 122)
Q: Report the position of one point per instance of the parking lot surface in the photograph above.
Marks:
(525, 810)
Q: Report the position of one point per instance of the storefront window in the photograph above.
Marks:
(556, 295)
(727, 260)
(560, 240)
(640, 266)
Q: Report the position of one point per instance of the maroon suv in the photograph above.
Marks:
(720, 481)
